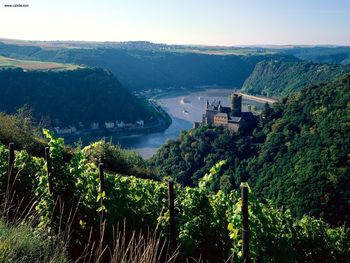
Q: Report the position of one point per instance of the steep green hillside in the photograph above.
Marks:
(188, 158)
(298, 156)
(68, 97)
(304, 163)
(275, 78)
(153, 67)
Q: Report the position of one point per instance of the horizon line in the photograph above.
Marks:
(176, 44)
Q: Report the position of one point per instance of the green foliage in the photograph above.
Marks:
(20, 130)
(298, 156)
(202, 219)
(71, 97)
(21, 244)
(304, 162)
(276, 78)
(275, 236)
(116, 159)
(208, 222)
(188, 158)
(3, 168)
(24, 170)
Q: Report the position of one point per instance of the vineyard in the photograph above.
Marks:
(79, 197)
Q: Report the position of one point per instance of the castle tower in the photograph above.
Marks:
(236, 105)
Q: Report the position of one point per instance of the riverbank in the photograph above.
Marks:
(86, 136)
(258, 99)
(182, 107)
(186, 91)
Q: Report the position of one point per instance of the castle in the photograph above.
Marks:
(231, 118)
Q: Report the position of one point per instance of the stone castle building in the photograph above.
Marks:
(231, 118)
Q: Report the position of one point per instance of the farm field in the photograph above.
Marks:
(6, 62)
(217, 50)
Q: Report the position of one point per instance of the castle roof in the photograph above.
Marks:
(214, 105)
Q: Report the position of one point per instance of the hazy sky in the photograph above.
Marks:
(222, 22)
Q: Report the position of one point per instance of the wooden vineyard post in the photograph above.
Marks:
(101, 192)
(11, 161)
(49, 169)
(245, 223)
(172, 215)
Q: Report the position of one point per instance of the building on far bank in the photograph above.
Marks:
(67, 130)
(94, 125)
(231, 118)
(109, 124)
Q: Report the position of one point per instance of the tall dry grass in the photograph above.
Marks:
(22, 241)
(139, 247)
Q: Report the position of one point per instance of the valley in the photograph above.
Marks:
(110, 132)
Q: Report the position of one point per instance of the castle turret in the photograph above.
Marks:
(236, 105)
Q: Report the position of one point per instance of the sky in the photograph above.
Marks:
(205, 22)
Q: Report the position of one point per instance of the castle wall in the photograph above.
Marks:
(221, 119)
(231, 118)
(210, 114)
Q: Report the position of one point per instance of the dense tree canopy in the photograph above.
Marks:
(304, 163)
(190, 156)
(275, 78)
(68, 97)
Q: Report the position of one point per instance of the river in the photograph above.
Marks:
(184, 108)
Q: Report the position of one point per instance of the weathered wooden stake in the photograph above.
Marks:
(10, 165)
(172, 215)
(102, 191)
(245, 224)
(49, 169)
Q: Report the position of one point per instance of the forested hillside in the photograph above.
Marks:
(304, 163)
(278, 78)
(68, 97)
(298, 156)
(144, 68)
(188, 158)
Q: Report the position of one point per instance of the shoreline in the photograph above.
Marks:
(155, 100)
(173, 92)
(89, 135)
(258, 99)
